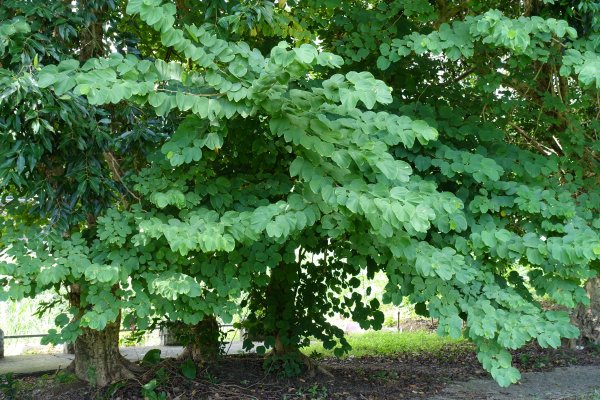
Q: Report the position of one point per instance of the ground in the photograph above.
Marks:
(450, 372)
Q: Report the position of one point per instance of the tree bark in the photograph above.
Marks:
(203, 344)
(91, 38)
(587, 319)
(97, 357)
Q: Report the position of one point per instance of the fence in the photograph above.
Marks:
(165, 338)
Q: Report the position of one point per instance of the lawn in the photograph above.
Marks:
(389, 343)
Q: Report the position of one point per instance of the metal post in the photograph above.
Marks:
(398, 322)
(1, 343)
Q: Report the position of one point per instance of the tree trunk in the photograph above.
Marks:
(587, 319)
(97, 357)
(203, 344)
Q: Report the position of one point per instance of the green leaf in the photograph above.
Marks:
(238, 68)
(395, 169)
(152, 357)
(46, 79)
(421, 309)
(503, 235)
(506, 376)
(306, 53)
(424, 131)
(214, 140)
(383, 63)
(189, 369)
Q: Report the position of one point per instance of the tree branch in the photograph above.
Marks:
(539, 146)
(113, 164)
(463, 75)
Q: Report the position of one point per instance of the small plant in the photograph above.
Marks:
(160, 378)
(210, 378)
(286, 366)
(542, 362)
(188, 369)
(316, 354)
(317, 391)
(314, 392)
(111, 390)
(149, 393)
(379, 375)
(9, 386)
(385, 375)
(152, 357)
(524, 359)
(65, 377)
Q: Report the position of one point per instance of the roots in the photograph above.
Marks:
(287, 358)
(105, 374)
(97, 357)
(203, 341)
(198, 354)
(314, 367)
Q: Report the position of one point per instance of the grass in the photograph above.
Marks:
(386, 343)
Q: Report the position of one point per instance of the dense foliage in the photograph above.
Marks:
(177, 163)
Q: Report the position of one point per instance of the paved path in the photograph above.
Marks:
(37, 363)
(560, 383)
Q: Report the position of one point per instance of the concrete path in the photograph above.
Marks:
(38, 363)
(560, 383)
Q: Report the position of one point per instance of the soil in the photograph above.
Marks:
(406, 376)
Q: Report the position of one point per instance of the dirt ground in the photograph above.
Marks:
(451, 374)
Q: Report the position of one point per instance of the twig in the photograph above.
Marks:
(540, 147)
(464, 75)
(555, 40)
(191, 94)
(113, 164)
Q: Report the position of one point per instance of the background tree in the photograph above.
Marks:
(537, 81)
(60, 169)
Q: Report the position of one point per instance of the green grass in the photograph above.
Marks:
(390, 343)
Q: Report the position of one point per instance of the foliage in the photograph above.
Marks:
(152, 357)
(433, 152)
(149, 393)
(8, 386)
(285, 366)
(188, 369)
(313, 392)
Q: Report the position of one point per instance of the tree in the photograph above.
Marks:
(288, 174)
(59, 172)
(523, 77)
(545, 100)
